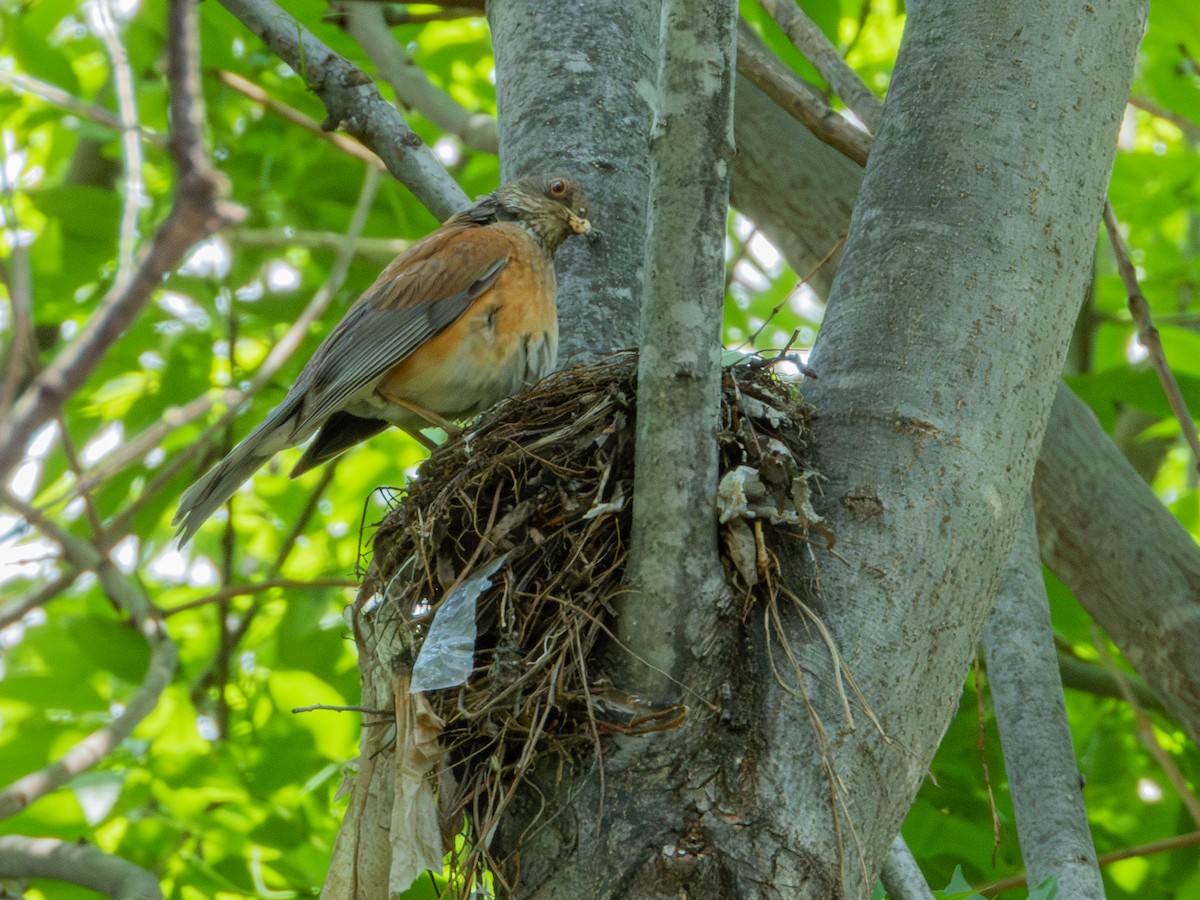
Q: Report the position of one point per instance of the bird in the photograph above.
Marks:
(463, 318)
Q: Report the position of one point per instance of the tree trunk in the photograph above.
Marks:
(969, 254)
(573, 91)
(938, 362)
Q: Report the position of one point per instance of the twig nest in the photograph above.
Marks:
(517, 533)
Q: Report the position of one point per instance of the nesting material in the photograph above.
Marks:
(527, 517)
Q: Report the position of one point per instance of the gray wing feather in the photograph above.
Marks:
(370, 341)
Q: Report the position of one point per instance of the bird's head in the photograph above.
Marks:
(549, 207)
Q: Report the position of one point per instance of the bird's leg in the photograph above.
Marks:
(428, 415)
(417, 435)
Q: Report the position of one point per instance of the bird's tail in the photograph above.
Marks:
(204, 497)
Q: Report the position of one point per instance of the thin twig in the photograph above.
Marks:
(91, 112)
(1148, 335)
(18, 609)
(1167, 844)
(402, 16)
(354, 104)
(252, 91)
(1146, 730)
(769, 74)
(76, 863)
(105, 24)
(89, 508)
(807, 278)
(810, 40)
(197, 212)
(278, 356)
(367, 24)
(1190, 129)
(22, 349)
(259, 587)
(126, 594)
(384, 249)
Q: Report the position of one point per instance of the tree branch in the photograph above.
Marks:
(126, 595)
(1148, 335)
(810, 40)
(1094, 512)
(769, 74)
(196, 213)
(1034, 735)
(104, 24)
(1128, 560)
(901, 876)
(82, 864)
(249, 89)
(354, 104)
(367, 24)
(673, 566)
(954, 403)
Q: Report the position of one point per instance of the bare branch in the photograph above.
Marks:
(21, 353)
(354, 104)
(1191, 839)
(91, 112)
(82, 864)
(254, 92)
(382, 249)
(673, 566)
(196, 213)
(367, 24)
(1095, 514)
(127, 595)
(1146, 730)
(131, 146)
(810, 40)
(245, 590)
(1034, 735)
(18, 609)
(176, 417)
(769, 74)
(1148, 335)
(1093, 509)
(901, 876)
(403, 16)
(1094, 679)
(1190, 129)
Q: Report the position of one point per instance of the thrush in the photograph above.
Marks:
(462, 319)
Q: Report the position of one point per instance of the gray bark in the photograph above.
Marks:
(673, 564)
(1130, 562)
(1093, 519)
(901, 876)
(970, 249)
(573, 93)
(1047, 790)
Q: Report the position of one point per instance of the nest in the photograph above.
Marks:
(528, 515)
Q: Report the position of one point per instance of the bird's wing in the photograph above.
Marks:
(418, 295)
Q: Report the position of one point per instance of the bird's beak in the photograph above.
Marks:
(579, 225)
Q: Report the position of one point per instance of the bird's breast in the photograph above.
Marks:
(505, 341)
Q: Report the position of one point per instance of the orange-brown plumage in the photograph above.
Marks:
(460, 320)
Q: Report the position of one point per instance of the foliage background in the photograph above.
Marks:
(223, 791)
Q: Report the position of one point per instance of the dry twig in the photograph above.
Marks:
(197, 212)
(1148, 335)
(810, 40)
(771, 76)
(354, 104)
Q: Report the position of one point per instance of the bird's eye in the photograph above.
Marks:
(558, 187)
